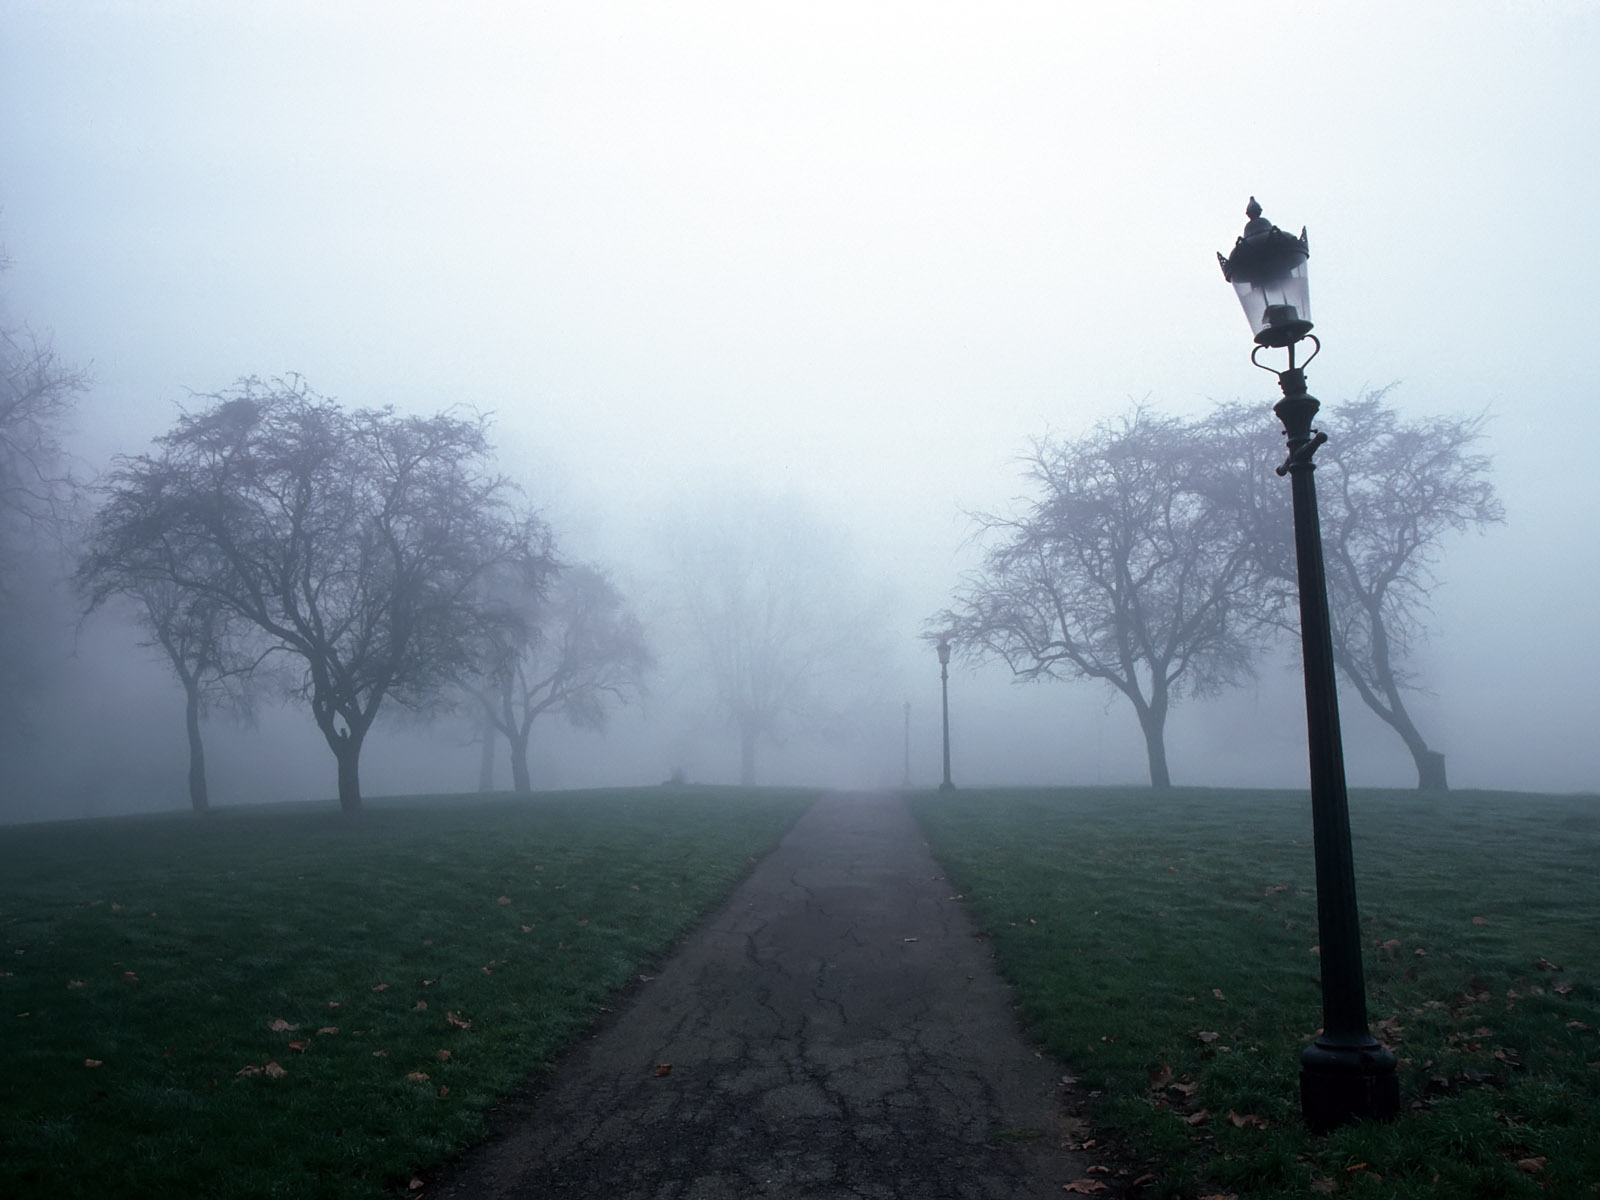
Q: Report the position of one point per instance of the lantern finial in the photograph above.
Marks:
(1252, 210)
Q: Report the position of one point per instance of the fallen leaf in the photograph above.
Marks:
(1532, 1165)
(279, 1025)
(1220, 1196)
(380, 1054)
(1544, 964)
(92, 1062)
(443, 1055)
(414, 1186)
(299, 1046)
(417, 1077)
(1390, 946)
(74, 983)
(1480, 921)
(1360, 1166)
(1277, 889)
(333, 1004)
(503, 900)
(444, 1091)
(130, 977)
(1206, 1036)
(1147, 1177)
(382, 987)
(274, 1071)
(1561, 989)
(1324, 1186)
(663, 1069)
(527, 929)
(1162, 1077)
(326, 1029)
(1084, 1187)
(420, 1006)
(1196, 1119)
(1217, 992)
(456, 1021)
(246, 1072)
(1246, 1120)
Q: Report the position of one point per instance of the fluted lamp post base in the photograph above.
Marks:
(1343, 1082)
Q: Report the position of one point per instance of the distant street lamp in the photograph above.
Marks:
(906, 782)
(1345, 1074)
(944, 688)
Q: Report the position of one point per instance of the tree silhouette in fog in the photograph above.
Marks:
(776, 619)
(203, 642)
(1121, 566)
(578, 651)
(354, 541)
(1389, 490)
(38, 393)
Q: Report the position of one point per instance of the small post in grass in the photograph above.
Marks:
(1345, 1074)
(944, 688)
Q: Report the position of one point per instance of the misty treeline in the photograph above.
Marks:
(276, 545)
(355, 559)
(1156, 555)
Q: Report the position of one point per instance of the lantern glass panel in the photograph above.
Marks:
(1279, 309)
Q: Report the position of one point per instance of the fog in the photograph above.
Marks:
(848, 257)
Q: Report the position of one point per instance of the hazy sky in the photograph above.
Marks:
(861, 251)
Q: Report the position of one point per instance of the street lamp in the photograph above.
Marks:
(944, 688)
(1345, 1074)
(906, 781)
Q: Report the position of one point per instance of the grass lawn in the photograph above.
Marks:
(289, 1002)
(1163, 945)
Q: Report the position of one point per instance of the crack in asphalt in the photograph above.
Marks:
(836, 1032)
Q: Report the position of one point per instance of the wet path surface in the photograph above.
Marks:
(834, 1031)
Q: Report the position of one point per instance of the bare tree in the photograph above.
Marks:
(1390, 490)
(356, 542)
(779, 622)
(1121, 567)
(578, 652)
(38, 393)
(37, 396)
(203, 645)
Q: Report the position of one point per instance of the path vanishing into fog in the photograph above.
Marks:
(835, 1031)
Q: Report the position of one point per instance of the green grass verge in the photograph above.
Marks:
(1163, 946)
(403, 970)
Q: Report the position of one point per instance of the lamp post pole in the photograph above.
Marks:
(906, 781)
(1345, 1074)
(944, 689)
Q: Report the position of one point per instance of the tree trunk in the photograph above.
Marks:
(1155, 748)
(1429, 763)
(197, 751)
(1153, 722)
(486, 757)
(1430, 770)
(520, 780)
(348, 753)
(747, 755)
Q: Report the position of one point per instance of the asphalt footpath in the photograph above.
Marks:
(836, 1031)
